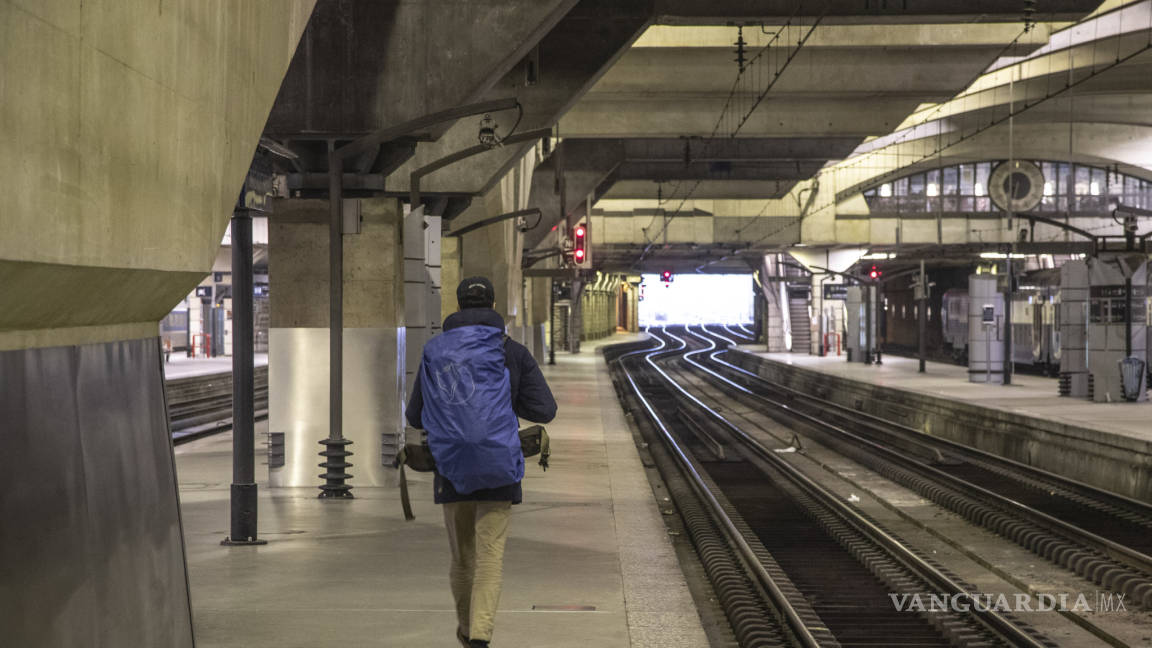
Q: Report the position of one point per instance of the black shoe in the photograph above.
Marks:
(477, 643)
(463, 639)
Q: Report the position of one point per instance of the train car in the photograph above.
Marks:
(1035, 322)
(174, 331)
(1035, 325)
(954, 322)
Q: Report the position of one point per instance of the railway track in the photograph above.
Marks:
(202, 405)
(1102, 537)
(790, 561)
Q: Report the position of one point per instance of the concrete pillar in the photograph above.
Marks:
(1073, 306)
(539, 303)
(818, 324)
(449, 274)
(633, 305)
(775, 313)
(422, 289)
(1116, 322)
(128, 127)
(857, 320)
(496, 251)
(986, 329)
(374, 339)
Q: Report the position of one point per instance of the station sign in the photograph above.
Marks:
(259, 187)
(204, 291)
(836, 291)
(1109, 304)
(988, 315)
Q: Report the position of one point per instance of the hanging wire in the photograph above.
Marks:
(734, 115)
(876, 155)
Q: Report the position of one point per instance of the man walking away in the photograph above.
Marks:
(473, 384)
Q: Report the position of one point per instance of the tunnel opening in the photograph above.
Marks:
(669, 298)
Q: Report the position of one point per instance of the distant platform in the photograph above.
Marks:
(589, 561)
(1028, 395)
(1106, 444)
(181, 366)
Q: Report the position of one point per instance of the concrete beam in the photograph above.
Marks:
(651, 149)
(587, 165)
(720, 12)
(364, 65)
(125, 150)
(764, 171)
(882, 33)
(675, 115)
(570, 59)
(920, 69)
(706, 190)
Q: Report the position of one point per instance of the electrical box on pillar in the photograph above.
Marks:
(580, 252)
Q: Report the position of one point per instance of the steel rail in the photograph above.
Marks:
(931, 442)
(1130, 558)
(993, 620)
(794, 622)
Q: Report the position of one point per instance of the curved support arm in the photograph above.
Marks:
(416, 175)
(493, 220)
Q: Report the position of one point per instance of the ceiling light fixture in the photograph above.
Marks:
(487, 134)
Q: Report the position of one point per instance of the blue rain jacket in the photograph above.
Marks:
(472, 429)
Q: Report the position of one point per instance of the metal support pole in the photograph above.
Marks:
(868, 315)
(551, 321)
(923, 315)
(335, 451)
(1008, 321)
(205, 325)
(820, 332)
(1128, 317)
(244, 494)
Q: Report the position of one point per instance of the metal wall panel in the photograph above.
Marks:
(298, 401)
(91, 551)
(985, 337)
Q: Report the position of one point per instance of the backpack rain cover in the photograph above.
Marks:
(472, 431)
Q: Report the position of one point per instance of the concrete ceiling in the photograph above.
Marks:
(852, 80)
(637, 89)
(1085, 101)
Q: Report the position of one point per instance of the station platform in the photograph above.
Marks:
(588, 563)
(1105, 444)
(181, 366)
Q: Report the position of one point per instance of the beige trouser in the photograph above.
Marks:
(476, 534)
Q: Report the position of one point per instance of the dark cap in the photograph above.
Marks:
(475, 292)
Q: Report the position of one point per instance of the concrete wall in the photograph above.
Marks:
(128, 129)
(1116, 463)
(599, 308)
(695, 226)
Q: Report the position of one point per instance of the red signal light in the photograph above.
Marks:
(666, 275)
(875, 273)
(580, 244)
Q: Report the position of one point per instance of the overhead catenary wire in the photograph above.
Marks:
(732, 118)
(962, 114)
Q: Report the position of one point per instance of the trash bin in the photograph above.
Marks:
(1132, 377)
